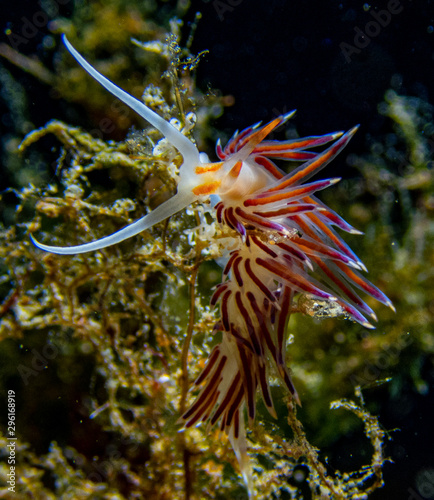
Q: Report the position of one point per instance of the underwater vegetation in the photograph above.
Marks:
(104, 347)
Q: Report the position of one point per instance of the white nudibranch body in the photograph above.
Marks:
(198, 179)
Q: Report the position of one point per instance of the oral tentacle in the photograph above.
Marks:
(162, 212)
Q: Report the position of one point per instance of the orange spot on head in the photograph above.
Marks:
(236, 169)
(209, 167)
(206, 188)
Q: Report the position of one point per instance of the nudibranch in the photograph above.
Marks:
(286, 244)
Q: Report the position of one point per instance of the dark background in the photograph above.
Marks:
(273, 56)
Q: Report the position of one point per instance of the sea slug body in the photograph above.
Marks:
(286, 244)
